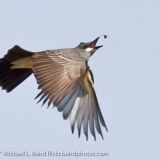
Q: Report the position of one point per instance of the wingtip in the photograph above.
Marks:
(94, 135)
(79, 133)
(64, 117)
(106, 128)
(86, 134)
(102, 137)
(72, 129)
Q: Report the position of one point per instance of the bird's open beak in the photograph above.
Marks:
(93, 44)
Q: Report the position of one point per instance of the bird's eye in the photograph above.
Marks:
(82, 45)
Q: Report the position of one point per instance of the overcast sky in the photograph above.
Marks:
(126, 71)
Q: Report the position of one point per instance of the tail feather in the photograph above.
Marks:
(11, 78)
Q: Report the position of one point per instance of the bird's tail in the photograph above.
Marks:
(13, 68)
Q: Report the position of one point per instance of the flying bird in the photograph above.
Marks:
(64, 79)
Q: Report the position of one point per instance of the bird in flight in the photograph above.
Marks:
(64, 79)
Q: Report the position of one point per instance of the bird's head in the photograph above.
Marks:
(90, 47)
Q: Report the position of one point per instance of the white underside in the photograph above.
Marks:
(88, 49)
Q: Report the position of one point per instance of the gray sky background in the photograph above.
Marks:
(126, 71)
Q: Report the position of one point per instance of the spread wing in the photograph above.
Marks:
(68, 85)
(56, 75)
(86, 112)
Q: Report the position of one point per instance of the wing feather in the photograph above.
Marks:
(68, 107)
(56, 75)
(89, 113)
(68, 84)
